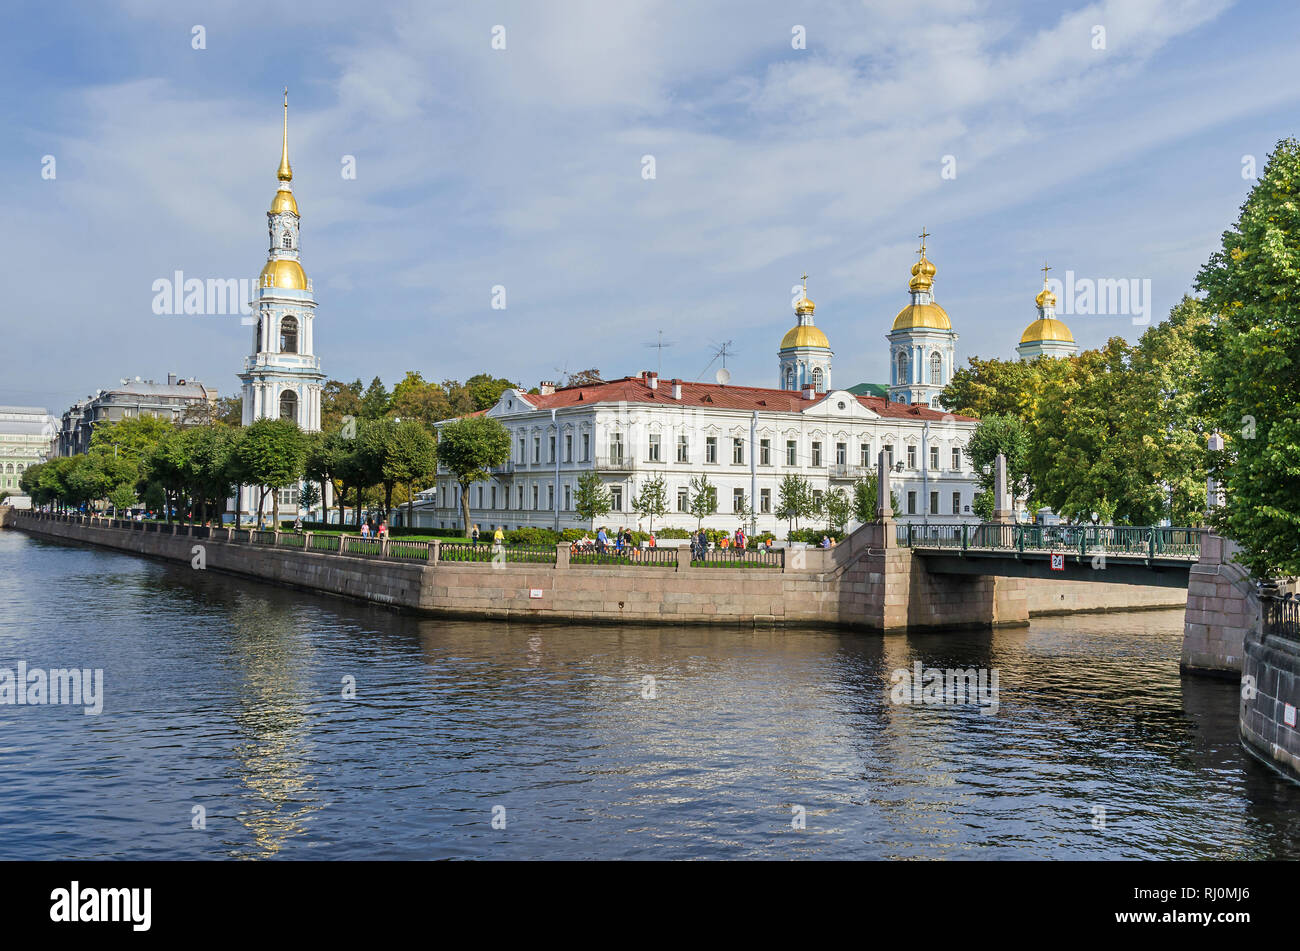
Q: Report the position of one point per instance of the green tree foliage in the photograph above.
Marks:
(1252, 368)
(591, 501)
(469, 448)
(702, 499)
(271, 454)
(794, 499)
(376, 401)
(484, 389)
(337, 400)
(838, 508)
(230, 411)
(652, 501)
(412, 460)
(864, 499)
(416, 399)
(1007, 435)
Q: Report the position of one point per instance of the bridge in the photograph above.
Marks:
(1150, 555)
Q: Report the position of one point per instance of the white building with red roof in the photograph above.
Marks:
(744, 439)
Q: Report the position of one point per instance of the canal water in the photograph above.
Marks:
(225, 733)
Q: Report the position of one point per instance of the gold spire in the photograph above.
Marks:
(922, 270)
(285, 173)
(804, 305)
(1045, 297)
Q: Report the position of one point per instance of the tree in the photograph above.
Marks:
(376, 401)
(469, 447)
(865, 493)
(484, 389)
(794, 499)
(414, 398)
(652, 501)
(1252, 351)
(133, 437)
(838, 509)
(310, 496)
(583, 378)
(591, 501)
(413, 460)
(337, 400)
(1002, 434)
(230, 411)
(702, 499)
(122, 498)
(273, 454)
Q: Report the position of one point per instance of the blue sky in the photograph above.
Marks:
(522, 167)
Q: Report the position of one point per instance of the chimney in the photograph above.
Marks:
(171, 379)
(677, 389)
(652, 380)
(809, 393)
(546, 387)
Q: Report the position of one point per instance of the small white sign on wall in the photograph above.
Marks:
(534, 592)
(1058, 562)
(1288, 714)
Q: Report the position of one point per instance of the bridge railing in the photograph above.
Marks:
(1281, 617)
(1145, 541)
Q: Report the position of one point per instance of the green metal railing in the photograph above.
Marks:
(1141, 541)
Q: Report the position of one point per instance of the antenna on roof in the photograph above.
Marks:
(659, 345)
(723, 350)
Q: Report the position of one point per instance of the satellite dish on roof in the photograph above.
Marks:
(723, 376)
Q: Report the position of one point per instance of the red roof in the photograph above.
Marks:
(633, 389)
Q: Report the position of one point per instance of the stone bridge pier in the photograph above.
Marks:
(1222, 606)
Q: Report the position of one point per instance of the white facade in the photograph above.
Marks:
(745, 440)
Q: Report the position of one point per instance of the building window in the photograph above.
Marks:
(289, 406)
(902, 368)
(819, 380)
(480, 497)
(520, 493)
(765, 500)
(289, 335)
(286, 241)
(586, 447)
(568, 447)
(956, 460)
(537, 449)
(889, 455)
(550, 449)
(534, 498)
(911, 457)
(711, 449)
(936, 368)
(522, 456)
(765, 452)
(616, 448)
(789, 378)
(791, 452)
(737, 451)
(550, 497)
(616, 498)
(816, 453)
(568, 498)
(683, 449)
(956, 503)
(934, 503)
(681, 500)
(653, 455)
(865, 455)
(494, 496)
(911, 503)
(817, 498)
(841, 454)
(934, 458)
(289, 496)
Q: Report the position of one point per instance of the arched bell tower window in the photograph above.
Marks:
(289, 406)
(789, 378)
(902, 368)
(257, 344)
(289, 335)
(818, 380)
(936, 368)
(286, 240)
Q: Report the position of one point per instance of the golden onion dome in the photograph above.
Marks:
(804, 335)
(804, 306)
(283, 272)
(283, 202)
(1046, 329)
(922, 275)
(1045, 298)
(922, 317)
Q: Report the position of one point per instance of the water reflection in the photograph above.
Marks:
(228, 694)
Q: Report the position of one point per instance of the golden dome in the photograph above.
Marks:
(922, 316)
(283, 201)
(283, 272)
(922, 275)
(1045, 298)
(805, 335)
(804, 306)
(1047, 329)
